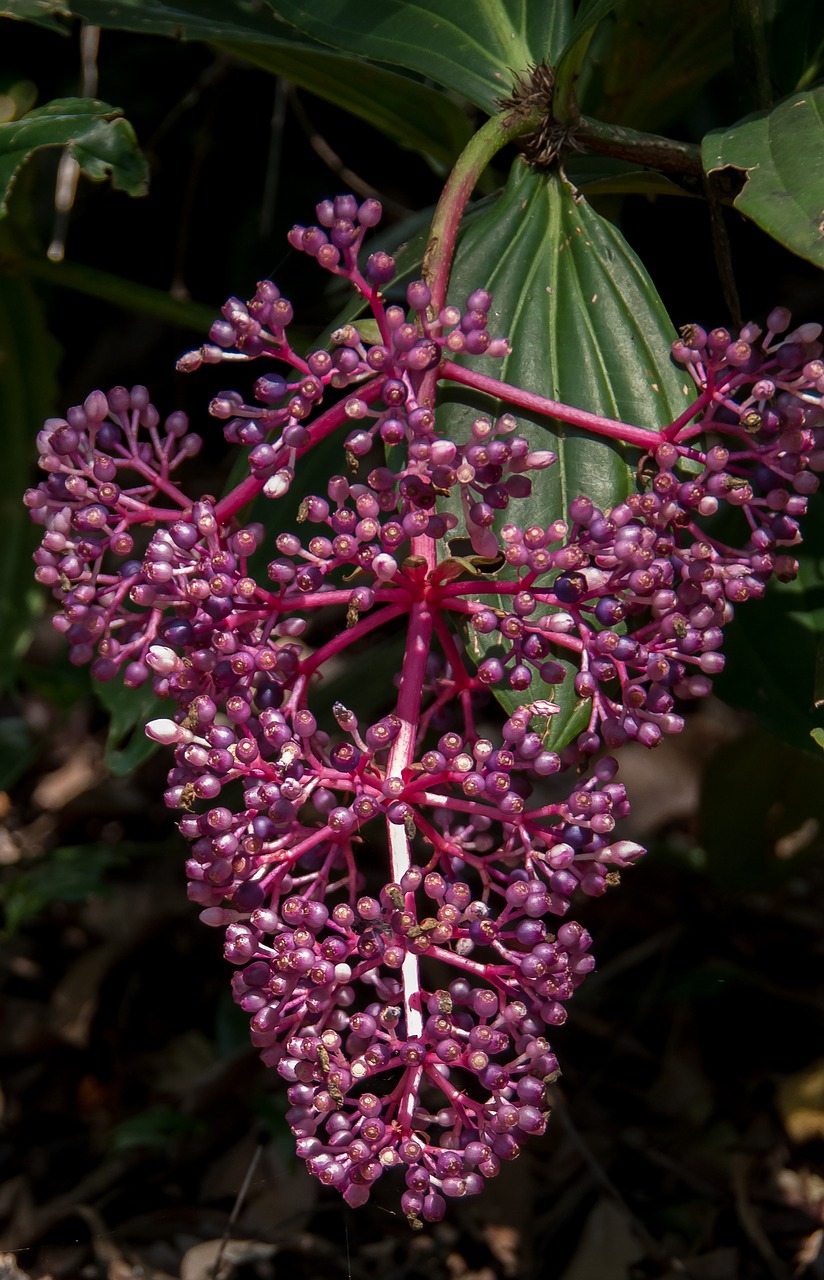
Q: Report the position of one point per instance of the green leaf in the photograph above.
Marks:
(818, 736)
(129, 710)
(155, 1128)
(130, 295)
(477, 49)
(590, 13)
(782, 155)
(101, 141)
(654, 59)
(796, 44)
(587, 328)
(68, 874)
(569, 64)
(412, 114)
(42, 13)
(183, 19)
(28, 372)
(604, 176)
(17, 749)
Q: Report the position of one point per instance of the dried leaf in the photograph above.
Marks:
(800, 1099)
(199, 1262)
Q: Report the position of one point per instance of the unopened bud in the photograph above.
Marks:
(168, 733)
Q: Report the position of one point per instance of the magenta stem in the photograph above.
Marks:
(609, 427)
(322, 427)
(345, 638)
(683, 420)
(482, 147)
(158, 482)
(297, 602)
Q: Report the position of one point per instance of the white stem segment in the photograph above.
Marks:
(401, 756)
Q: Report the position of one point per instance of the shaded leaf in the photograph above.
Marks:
(653, 60)
(587, 328)
(796, 44)
(761, 813)
(603, 176)
(17, 96)
(101, 141)
(184, 19)
(130, 295)
(608, 1245)
(129, 711)
(57, 681)
(590, 13)
(370, 670)
(782, 155)
(800, 1101)
(155, 1127)
(68, 874)
(779, 694)
(201, 1261)
(568, 66)
(42, 13)
(773, 646)
(412, 114)
(476, 49)
(17, 749)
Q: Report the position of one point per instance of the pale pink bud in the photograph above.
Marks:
(167, 732)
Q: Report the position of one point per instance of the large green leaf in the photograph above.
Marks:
(587, 328)
(476, 48)
(101, 141)
(782, 155)
(586, 325)
(653, 60)
(412, 114)
(184, 19)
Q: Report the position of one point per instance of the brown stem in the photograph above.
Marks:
(649, 149)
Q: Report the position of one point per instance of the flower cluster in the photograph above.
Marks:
(405, 998)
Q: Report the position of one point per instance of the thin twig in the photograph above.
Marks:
(236, 1208)
(722, 252)
(271, 178)
(654, 1249)
(333, 161)
(68, 170)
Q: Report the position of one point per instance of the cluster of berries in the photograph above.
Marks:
(404, 996)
